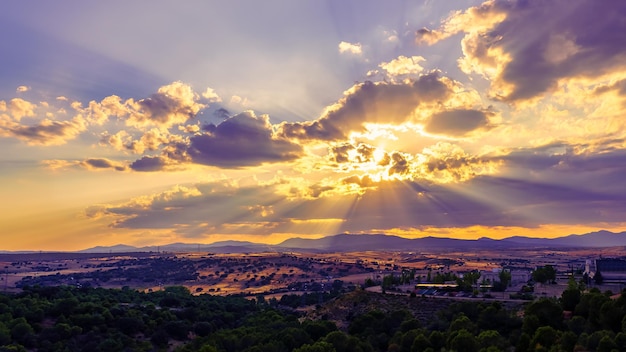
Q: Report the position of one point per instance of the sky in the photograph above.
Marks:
(154, 122)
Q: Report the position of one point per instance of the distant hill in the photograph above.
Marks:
(118, 248)
(373, 242)
(592, 239)
(347, 242)
(216, 247)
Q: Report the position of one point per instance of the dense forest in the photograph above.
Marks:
(96, 319)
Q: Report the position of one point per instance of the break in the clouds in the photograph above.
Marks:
(505, 114)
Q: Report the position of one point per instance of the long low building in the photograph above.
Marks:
(517, 276)
(612, 269)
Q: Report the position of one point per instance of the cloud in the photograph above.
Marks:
(362, 181)
(477, 19)
(89, 164)
(403, 65)
(211, 96)
(241, 140)
(186, 204)
(102, 163)
(22, 89)
(150, 140)
(441, 186)
(46, 132)
(428, 36)
(350, 48)
(149, 163)
(20, 108)
(99, 113)
(372, 102)
(619, 87)
(439, 163)
(528, 48)
(172, 104)
(237, 100)
(446, 163)
(457, 122)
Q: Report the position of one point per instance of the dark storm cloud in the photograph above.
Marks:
(239, 141)
(370, 102)
(457, 122)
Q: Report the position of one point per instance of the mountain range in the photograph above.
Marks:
(373, 242)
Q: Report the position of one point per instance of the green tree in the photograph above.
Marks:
(620, 341)
(320, 346)
(545, 336)
(505, 278)
(548, 312)
(318, 328)
(437, 340)
(338, 340)
(544, 274)
(593, 342)
(463, 341)
(523, 344)
(420, 343)
(22, 332)
(5, 335)
(568, 341)
(110, 345)
(489, 338)
(611, 316)
(598, 278)
(606, 344)
(571, 296)
(462, 322)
